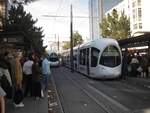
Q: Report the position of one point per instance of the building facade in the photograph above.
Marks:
(95, 15)
(137, 11)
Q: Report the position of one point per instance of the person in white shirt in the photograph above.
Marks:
(27, 70)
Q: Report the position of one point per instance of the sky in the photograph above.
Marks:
(55, 27)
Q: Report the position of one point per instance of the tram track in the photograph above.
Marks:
(107, 98)
(86, 91)
(89, 95)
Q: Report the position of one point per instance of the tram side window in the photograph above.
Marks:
(94, 56)
(82, 56)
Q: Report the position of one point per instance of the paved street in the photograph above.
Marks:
(77, 93)
(80, 94)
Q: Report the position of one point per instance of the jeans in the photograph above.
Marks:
(45, 79)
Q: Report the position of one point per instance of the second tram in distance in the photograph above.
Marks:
(54, 59)
(100, 58)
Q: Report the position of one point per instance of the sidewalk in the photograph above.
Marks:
(31, 106)
(147, 80)
(139, 81)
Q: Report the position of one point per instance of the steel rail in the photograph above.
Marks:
(89, 95)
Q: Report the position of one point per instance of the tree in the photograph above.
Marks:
(19, 20)
(77, 40)
(66, 45)
(124, 23)
(115, 26)
(23, 1)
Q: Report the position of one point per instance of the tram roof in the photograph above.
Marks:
(142, 40)
(100, 42)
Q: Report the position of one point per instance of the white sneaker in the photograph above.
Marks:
(37, 98)
(19, 105)
(42, 94)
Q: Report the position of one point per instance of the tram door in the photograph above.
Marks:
(87, 60)
(84, 61)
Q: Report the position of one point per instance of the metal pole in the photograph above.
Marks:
(71, 39)
(58, 44)
(55, 43)
(100, 10)
(92, 19)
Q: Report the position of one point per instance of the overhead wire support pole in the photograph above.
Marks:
(100, 10)
(71, 39)
(58, 44)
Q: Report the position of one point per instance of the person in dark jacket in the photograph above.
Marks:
(36, 75)
(125, 63)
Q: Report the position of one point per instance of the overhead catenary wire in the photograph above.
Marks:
(63, 16)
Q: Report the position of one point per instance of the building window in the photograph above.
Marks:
(140, 25)
(133, 14)
(139, 14)
(139, 2)
(135, 26)
(134, 4)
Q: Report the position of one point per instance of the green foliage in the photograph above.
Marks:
(115, 26)
(23, 1)
(19, 20)
(66, 45)
(77, 40)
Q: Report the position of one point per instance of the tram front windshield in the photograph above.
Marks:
(110, 57)
(53, 57)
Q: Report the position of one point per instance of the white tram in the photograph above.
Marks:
(54, 59)
(100, 58)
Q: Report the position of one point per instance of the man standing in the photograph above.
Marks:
(27, 70)
(46, 72)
